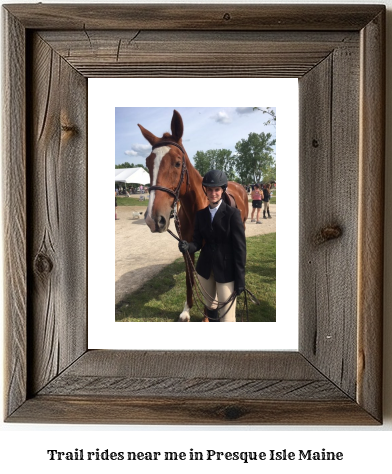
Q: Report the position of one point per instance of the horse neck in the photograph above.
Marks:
(193, 199)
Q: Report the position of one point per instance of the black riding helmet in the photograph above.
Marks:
(215, 178)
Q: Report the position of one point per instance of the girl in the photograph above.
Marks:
(221, 264)
(257, 196)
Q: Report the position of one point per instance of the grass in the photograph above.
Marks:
(162, 298)
(126, 201)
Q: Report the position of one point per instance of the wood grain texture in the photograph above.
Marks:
(57, 192)
(335, 378)
(156, 387)
(203, 374)
(194, 53)
(129, 410)
(14, 209)
(207, 364)
(329, 137)
(371, 215)
(189, 387)
(193, 17)
(181, 373)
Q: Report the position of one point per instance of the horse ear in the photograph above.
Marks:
(177, 126)
(150, 137)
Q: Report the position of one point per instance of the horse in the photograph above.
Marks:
(175, 180)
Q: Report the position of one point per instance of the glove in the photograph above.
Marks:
(183, 246)
(240, 290)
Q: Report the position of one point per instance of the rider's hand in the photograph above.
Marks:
(183, 246)
(240, 290)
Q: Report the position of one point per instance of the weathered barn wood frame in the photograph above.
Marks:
(337, 53)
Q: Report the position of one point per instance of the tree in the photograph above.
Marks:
(225, 161)
(270, 175)
(130, 165)
(269, 111)
(202, 162)
(124, 165)
(222, 159)
(255, 157)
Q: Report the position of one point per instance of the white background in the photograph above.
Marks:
(104, 332)
(23, 447)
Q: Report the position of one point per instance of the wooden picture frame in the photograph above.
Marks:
(338, 54)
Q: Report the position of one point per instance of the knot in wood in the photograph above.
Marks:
(43, 264)
(315, 143)
(227, 16)
(232, 412)
(68, 128)
(328, 233)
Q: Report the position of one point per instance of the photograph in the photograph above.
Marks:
(201, 182)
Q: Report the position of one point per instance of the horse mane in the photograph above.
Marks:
(169, 136)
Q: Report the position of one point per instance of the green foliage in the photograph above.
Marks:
(124, 165)
(130, 165)
(255, 157)
(254, 161)
(269, 111)
(270, 174)
(202, 162)
(221, 159)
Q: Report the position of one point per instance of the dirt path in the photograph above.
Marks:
(141, 254)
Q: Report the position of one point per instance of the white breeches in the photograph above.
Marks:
(221, 292)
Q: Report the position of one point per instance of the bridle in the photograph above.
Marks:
(176, 192)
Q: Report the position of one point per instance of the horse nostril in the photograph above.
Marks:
(162, 222)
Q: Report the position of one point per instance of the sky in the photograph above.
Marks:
(205, 128)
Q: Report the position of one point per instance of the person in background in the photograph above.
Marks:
(257, 196)
(266, 200)
(115, 204)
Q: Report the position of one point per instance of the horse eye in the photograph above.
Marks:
(178, 164)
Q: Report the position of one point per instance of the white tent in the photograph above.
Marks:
(132, 175)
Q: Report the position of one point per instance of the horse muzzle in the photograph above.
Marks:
(158, 223)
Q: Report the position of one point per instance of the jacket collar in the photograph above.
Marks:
(218, 216)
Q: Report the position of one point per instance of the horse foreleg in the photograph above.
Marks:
(185, 316)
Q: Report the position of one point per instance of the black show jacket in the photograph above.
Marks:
(224, 249)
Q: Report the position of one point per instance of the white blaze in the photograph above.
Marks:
(159, 154)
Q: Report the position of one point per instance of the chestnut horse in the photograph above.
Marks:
(173, 180)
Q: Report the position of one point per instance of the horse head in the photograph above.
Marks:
(166, 165)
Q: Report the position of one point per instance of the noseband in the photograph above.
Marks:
(176, 192)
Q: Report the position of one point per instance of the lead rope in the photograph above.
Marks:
(198, 287)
